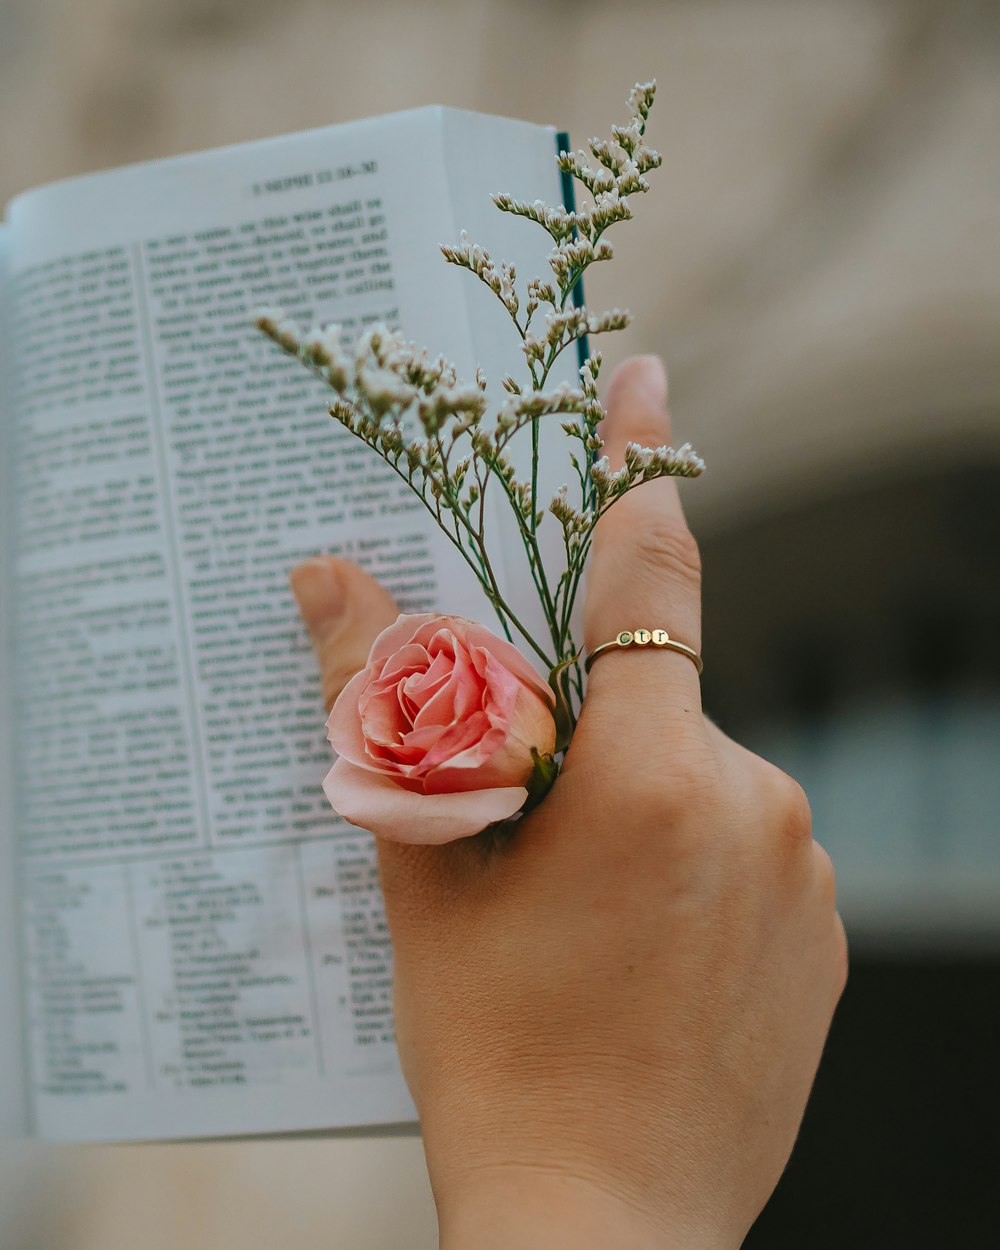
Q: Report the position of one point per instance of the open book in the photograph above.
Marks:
(191, 942)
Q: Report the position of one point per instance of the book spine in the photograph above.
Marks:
(569, 202)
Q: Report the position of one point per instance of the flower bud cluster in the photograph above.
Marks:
(646, 158)
(540, 291)
(557, 221)
(321, 348)
(640, 98)
(385, 383)
(622, 160)
(592, 412)
(601, 323)
(660, 461)
(595, 180)
(573, 520)
(498, 276)
(571, 257)
(431, 428)
(381, 391)
(465, 404)
(563, 328)
(521, 410)
(642, 464)
(608, 207)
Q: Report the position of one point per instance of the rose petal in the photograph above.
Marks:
(443, 706)
(383, 721)
(452, 740)
(403, 630)
(503, 756)
(412, 658)
(422, 627)
(421, 747)
(374, 801)
(459, 698)
(419, 688)
(481, 766)
(502, 686)
(476, 635)
(343, 725)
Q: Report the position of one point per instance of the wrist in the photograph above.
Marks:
(525, 1208)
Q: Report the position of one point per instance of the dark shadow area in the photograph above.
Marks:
(889, 590)
(887, 597)
(900, 1140)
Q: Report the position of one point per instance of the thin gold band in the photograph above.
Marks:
(643, 638)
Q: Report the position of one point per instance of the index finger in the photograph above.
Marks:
(645, 571)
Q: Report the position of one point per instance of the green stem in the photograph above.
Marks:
(490, 584)
(569, 599)
(532, 552)
(480, 539)
(541, 581)
(534, 469)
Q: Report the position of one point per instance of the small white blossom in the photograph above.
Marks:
(640, 98)
(413, 410)
(383, 390)
(600, 470)
(629, 137)
(601, 323)
(267, 318)
(533, 348)
(609, 154)
(564, 327)
(557, 221)
(286, 332)
(647, 158)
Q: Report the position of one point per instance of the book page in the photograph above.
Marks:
(13, 1104)
(205, 944)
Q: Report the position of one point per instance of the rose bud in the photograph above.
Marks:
(438, 735)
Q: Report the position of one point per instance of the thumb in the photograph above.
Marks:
(344, 610)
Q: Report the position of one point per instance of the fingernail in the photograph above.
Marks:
(649, 374)
(319, 591)
(640, 381)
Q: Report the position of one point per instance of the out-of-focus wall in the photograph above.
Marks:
(817, 262)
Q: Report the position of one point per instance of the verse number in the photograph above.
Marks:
(347, 171)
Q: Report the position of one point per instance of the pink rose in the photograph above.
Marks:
(435, 734)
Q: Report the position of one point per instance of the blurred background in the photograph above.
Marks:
(826, 291)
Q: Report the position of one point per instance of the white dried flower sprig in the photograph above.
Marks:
(432, 429)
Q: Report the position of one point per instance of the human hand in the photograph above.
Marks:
(610, 1024)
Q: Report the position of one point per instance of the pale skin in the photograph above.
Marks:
(610, 1025)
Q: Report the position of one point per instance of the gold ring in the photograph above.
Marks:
(643, 638)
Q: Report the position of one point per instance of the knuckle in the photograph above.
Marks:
(688, 782)
(841, 958)
(787, 802)
(668, 547)
(826, 874)
(797, 813)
